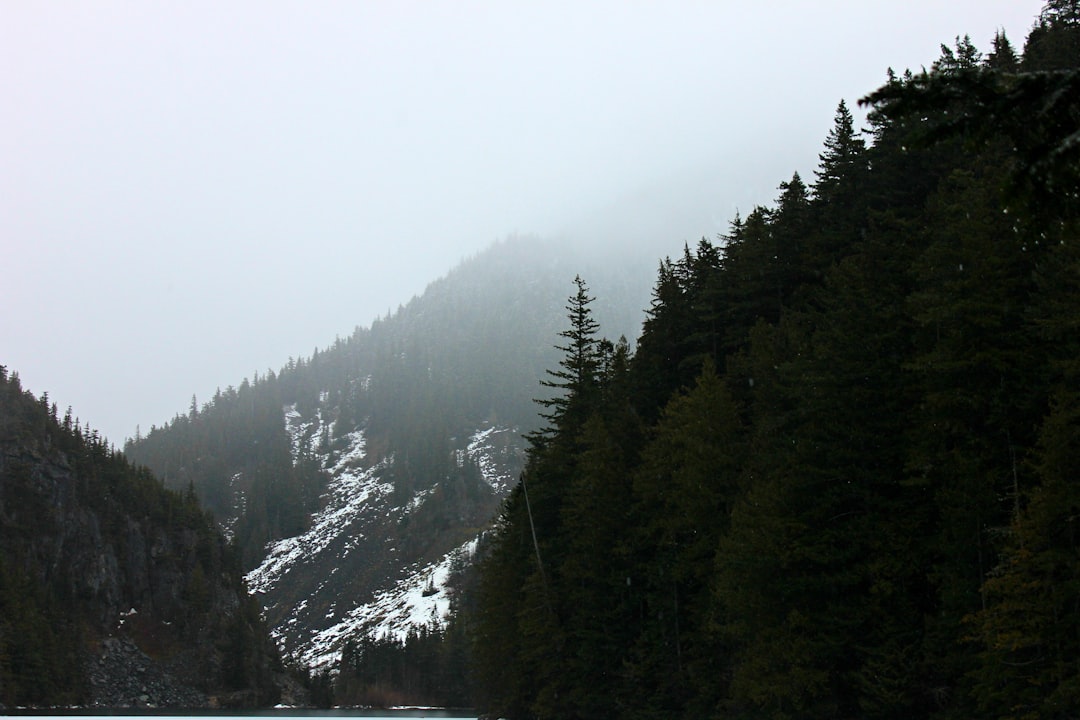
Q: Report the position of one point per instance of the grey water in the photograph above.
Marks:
(396, 714)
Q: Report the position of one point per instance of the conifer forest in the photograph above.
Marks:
(837, 476)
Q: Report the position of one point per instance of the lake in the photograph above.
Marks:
(283, 714)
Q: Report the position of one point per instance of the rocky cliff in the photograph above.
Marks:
(114, 591)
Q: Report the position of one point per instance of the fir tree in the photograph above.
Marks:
(575, 382)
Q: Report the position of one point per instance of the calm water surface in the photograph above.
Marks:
(261, 715)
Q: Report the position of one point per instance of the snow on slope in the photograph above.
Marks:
(350, 490)
(487, 447)
(421, 599)
(310, 628)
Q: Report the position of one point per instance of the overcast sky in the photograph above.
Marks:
(191, 192)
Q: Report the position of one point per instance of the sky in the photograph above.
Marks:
(192, 192)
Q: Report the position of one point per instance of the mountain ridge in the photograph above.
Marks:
(348, 477)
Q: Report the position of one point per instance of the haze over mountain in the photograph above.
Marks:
(195, 192)
(834, 476)
(354, 481)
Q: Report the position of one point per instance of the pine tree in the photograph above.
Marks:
(601, 616)
(685, 486)
(1035, 114)
(1065, 13)
(842, 162)
(525, 599)
(964, 58)
(751, 288)
(661, 346)
(1029, 629)
(1030, 626)
(1002, 56)
(575, 382)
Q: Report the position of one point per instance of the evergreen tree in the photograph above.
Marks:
(841, 163)
(863, 507)
(1028, 628)
(1054, 42)
(577, 378)
(528, 552)
(1002, 56)
(684, 487)
(840, 186)
(1035, 112)
(662, 345)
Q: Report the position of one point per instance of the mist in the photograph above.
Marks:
(195, 192)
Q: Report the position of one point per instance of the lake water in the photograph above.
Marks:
(397, 714)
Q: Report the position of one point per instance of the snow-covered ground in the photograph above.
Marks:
(355, 497)
(486, 452)
(228, 528)
(348, 494)
(421, 599)
(350, 490)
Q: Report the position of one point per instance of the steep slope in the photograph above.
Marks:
(113, 590)
(365, 554)
(349, 477)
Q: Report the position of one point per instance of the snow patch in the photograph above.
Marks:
(420, 599)
(348, 493)
(302, 433)
(228, 527)
(486, 453)
(354, 503)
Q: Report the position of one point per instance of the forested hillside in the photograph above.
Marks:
(346, 476)
(469, 350)
(837, 477)
(114, 591)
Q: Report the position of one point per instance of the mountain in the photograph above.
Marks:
(351, 481)
(114, 591)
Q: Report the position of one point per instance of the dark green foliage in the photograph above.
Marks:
(1054, 42)
(667, 345)
(427, 666)
(84, 538)
(683, 489)
(576, 380)
(40, 643)
(1035, 109)
(555, 535)
(841, 479)
(237, 445)
(386, 671)
(1028, 629)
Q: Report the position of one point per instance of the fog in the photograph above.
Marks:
(191, 192)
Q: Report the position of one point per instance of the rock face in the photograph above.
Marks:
(123, 676)
(114, 591)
